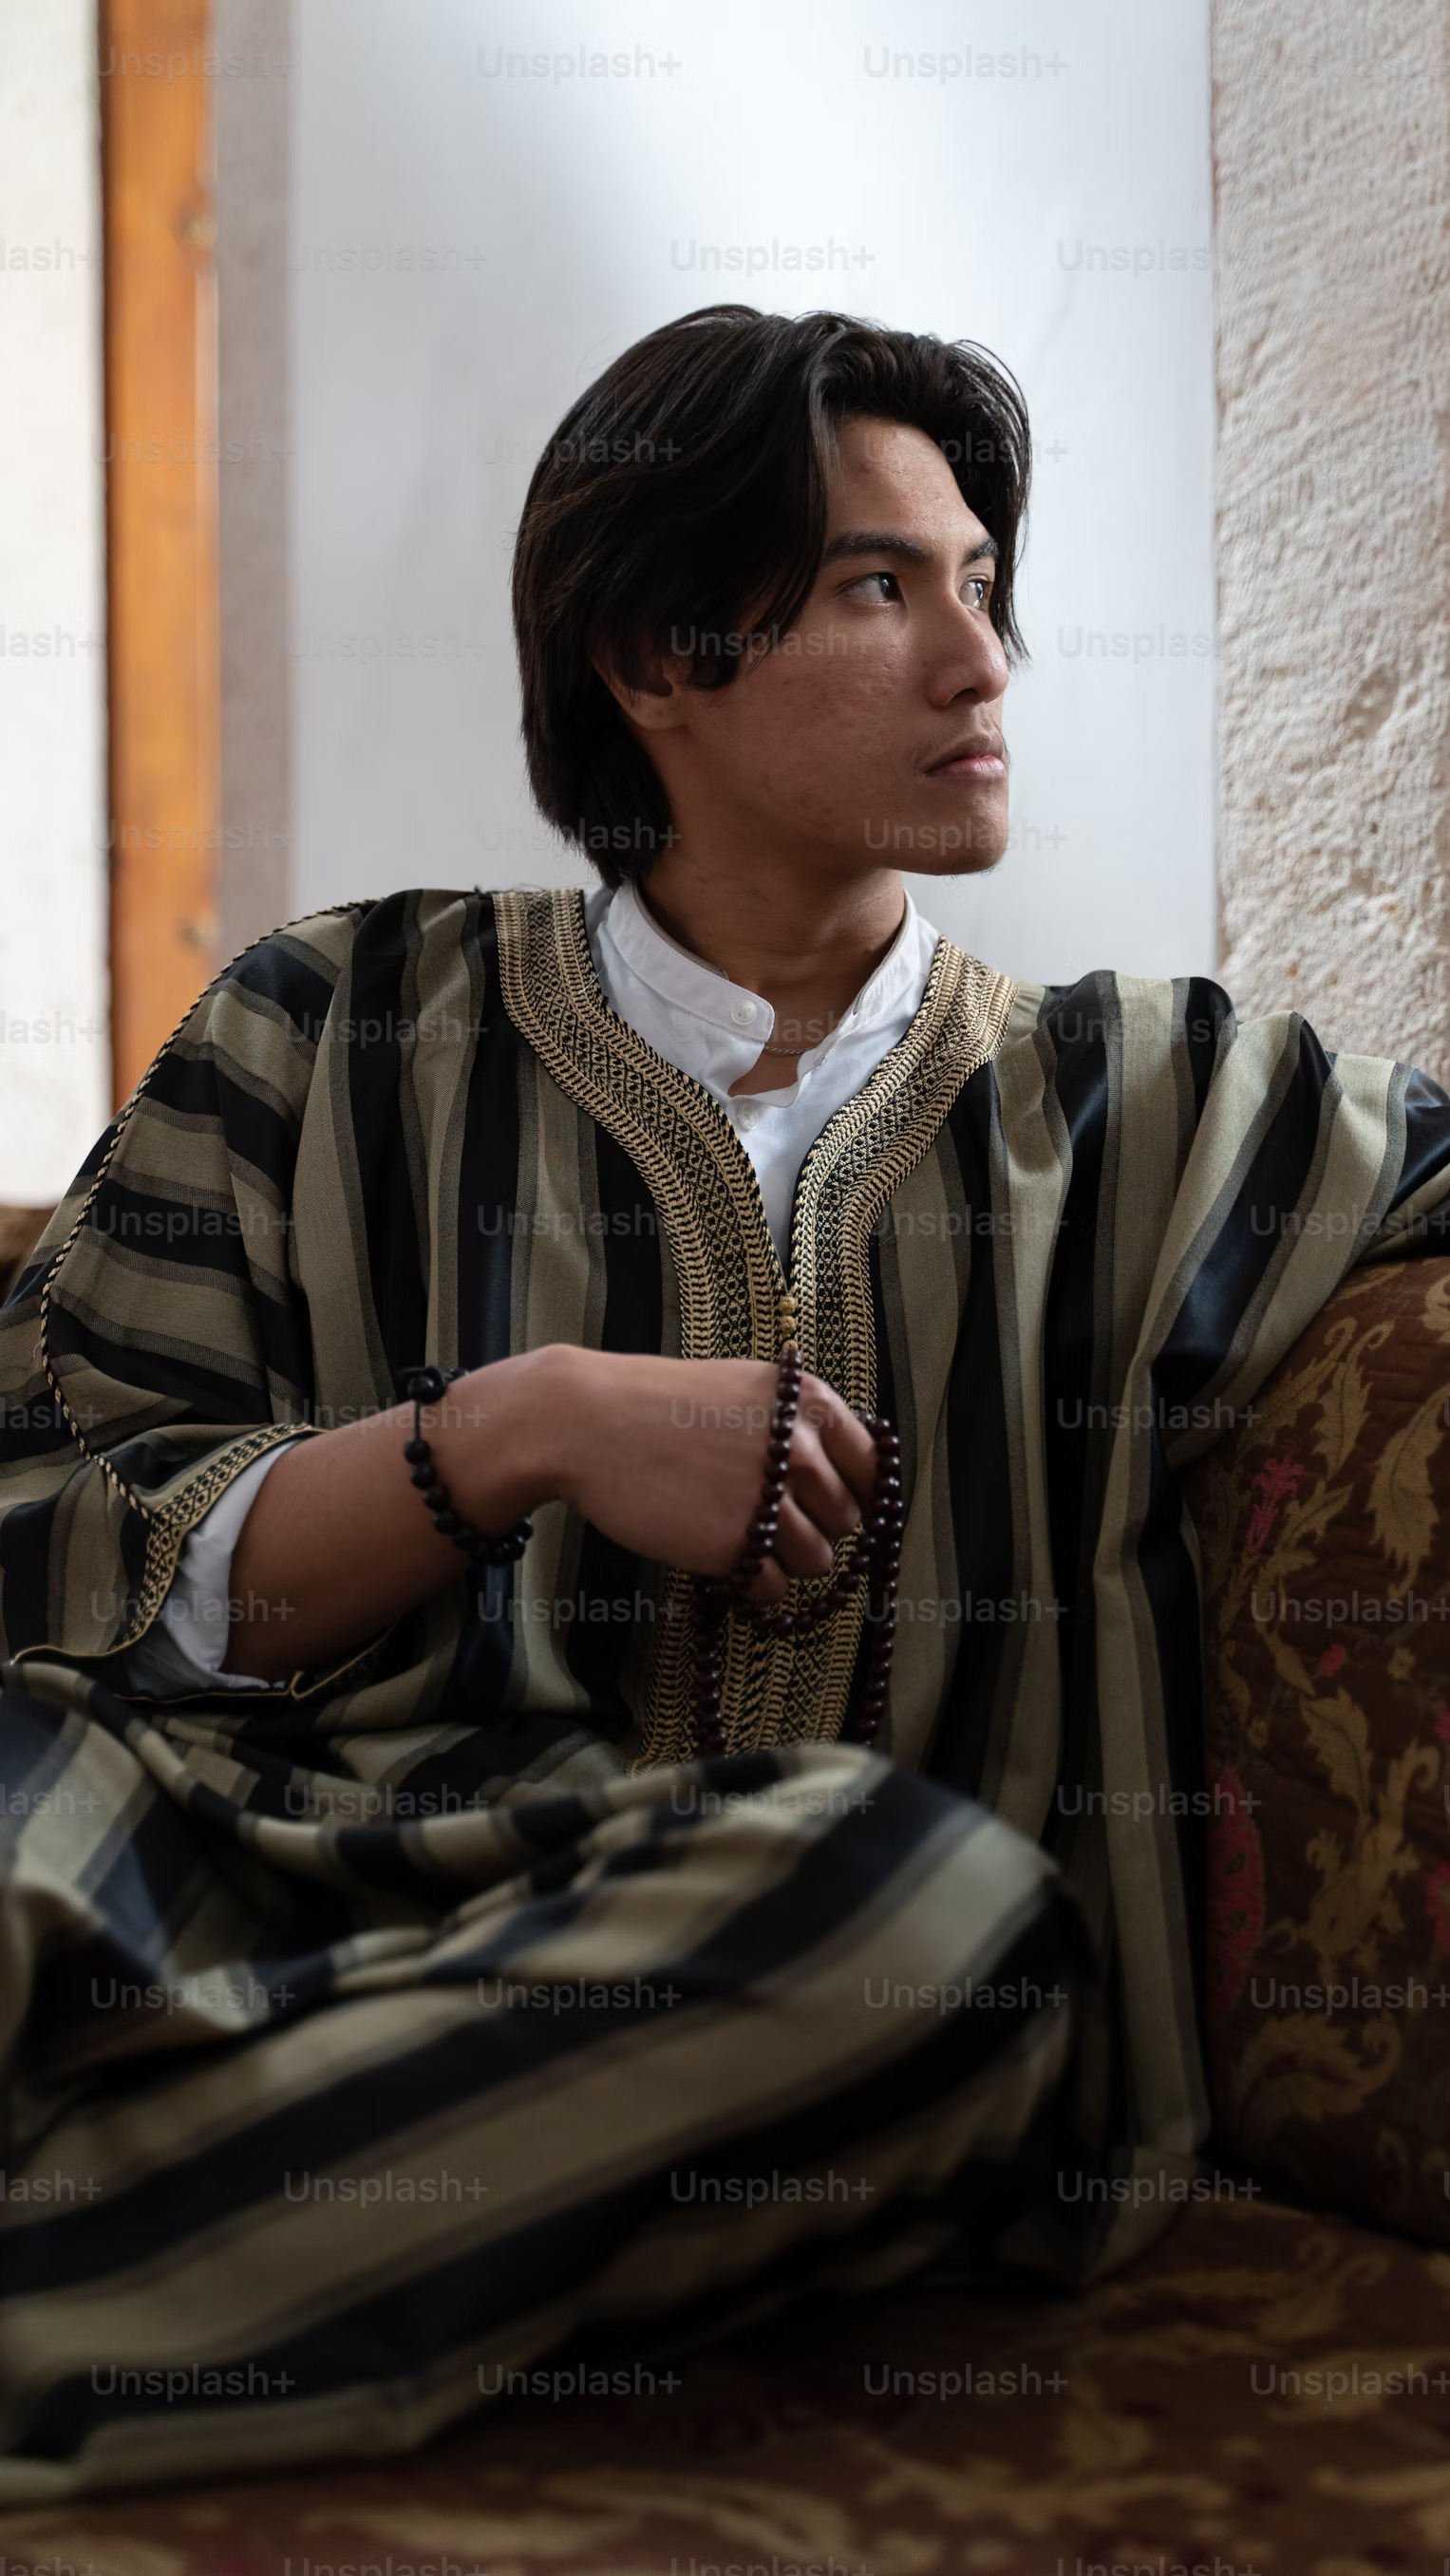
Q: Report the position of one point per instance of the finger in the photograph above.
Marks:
(846, 1442)
(822, 1494)
(799, 1546)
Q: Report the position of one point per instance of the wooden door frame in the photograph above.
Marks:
(159, 226)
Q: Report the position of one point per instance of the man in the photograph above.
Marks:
(397, 1993)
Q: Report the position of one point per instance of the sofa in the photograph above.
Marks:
(1269, 2389)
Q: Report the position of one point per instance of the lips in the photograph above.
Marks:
(982, 756)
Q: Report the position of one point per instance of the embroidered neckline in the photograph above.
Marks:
(731, 1280)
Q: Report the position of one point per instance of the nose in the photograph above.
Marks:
(967, 657)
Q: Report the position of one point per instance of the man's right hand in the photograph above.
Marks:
(668, 1456)
(665, 1456)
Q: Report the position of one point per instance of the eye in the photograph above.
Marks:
(983, 588)
(894, 586)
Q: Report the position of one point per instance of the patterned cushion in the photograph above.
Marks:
(1324, 1531)
(1266, 2391)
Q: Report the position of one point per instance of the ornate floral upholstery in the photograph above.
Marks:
(1267, 2391)
(1327, 1587)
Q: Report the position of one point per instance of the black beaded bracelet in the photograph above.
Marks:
(426, 1386)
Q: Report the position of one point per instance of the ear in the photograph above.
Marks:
(659, 704)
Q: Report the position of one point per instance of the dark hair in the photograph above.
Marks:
(686, 492)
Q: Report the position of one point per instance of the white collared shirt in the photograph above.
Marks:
(704, 1025)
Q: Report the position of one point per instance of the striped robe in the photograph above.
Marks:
(367, 2039)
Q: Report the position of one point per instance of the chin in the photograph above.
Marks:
(971, 863)
(955, 845)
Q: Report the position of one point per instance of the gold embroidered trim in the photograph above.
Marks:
(776, 1689)
(170, 1524)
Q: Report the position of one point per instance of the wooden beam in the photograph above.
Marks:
(161, 516)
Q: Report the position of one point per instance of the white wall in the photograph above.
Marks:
(469, 249)
(54, 1046)
(252, 41)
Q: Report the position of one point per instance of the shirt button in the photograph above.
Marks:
(742, 1013)
(747, 1116)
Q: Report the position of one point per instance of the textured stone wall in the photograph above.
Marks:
(1332, 173)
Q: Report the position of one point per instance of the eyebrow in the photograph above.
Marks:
(872, 541)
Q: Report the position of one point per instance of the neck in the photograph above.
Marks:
(805, 941)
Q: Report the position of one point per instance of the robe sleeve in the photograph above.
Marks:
(1295, 1164)
(183, 1648)
(1418, 1217)
(157, 1341)
(1207, 1184)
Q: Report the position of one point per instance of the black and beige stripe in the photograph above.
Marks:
(1059, 1237)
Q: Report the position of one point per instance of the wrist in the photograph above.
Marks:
(557, 1395)
(498, 1436)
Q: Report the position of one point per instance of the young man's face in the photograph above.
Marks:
(872, 734)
